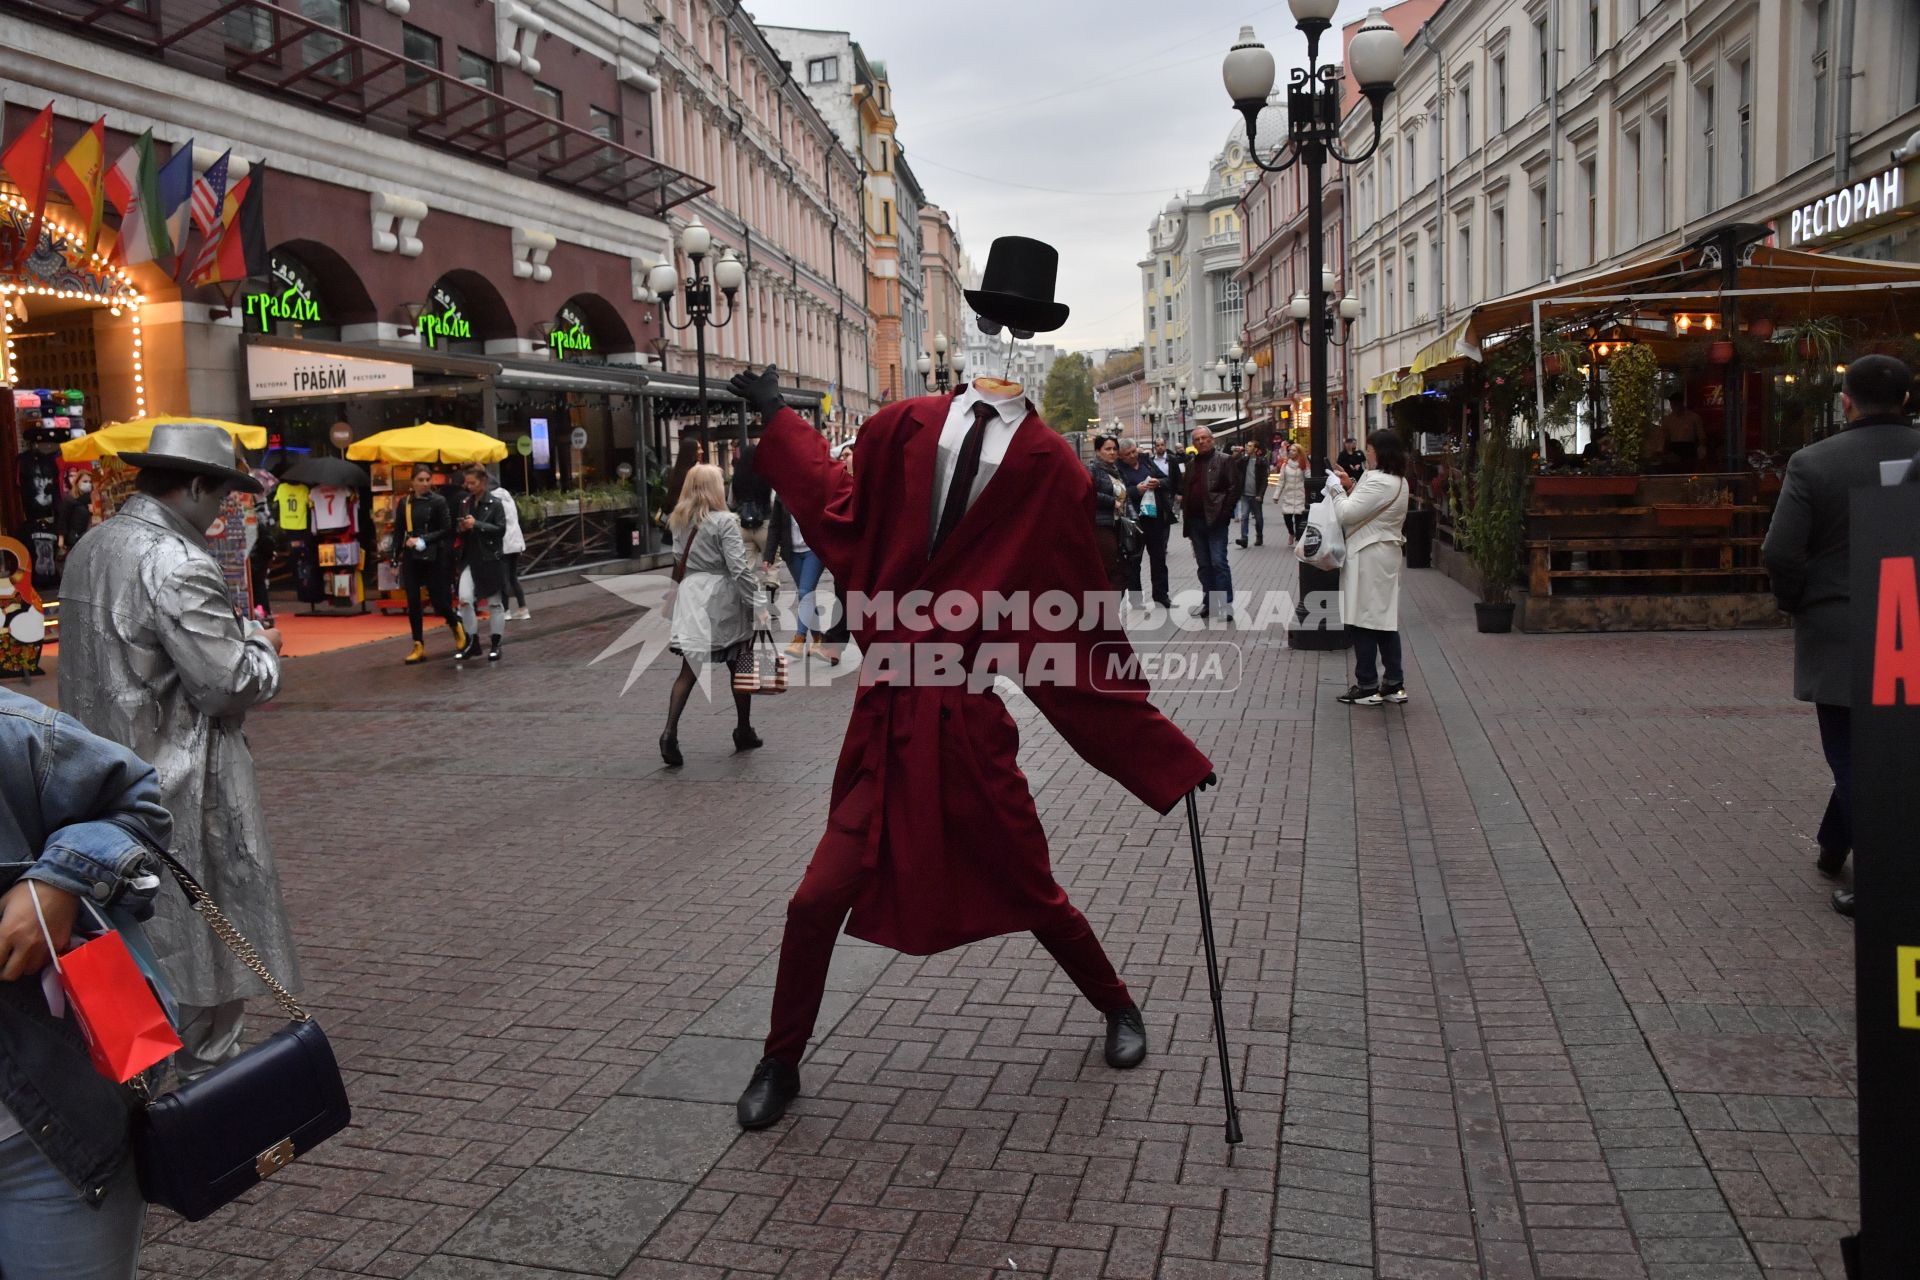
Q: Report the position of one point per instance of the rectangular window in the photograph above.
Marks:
(1706, 196)
(1466, 119)
(480, 72)
(823, 70)
(1413, 167)
(325, 54)
(1464, 291)
(1593, 30)
(1540, 233)
(1657, 188)
(424, 48)
(1497, 253)
(606, 126)
(1743, 139)
(550, 104)
(886, 217)
(1389, 188)
(1413, 285)
(1391, 317)
(1436, 296)
(1633, 198)
(1822, 86)
(1500, 94)
(1590, 189)
(1540, 44)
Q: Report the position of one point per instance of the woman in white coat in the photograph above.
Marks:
(510, 548)
(715, 606)
(1293, 491)
(1373, 516)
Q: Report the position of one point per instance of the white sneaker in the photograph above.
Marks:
(522, 613)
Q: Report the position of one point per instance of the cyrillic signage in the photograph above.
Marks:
(445, 319)
(281, 373)
(293, 296)
(1841, 210)
(571, 338)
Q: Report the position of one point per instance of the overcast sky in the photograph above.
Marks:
(1110, 107)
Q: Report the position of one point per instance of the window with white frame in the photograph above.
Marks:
(1634, 190)
(823, 70)
(1540, 46)
(1499, 93)
(1819, 66)
(1413, 166)
(1390, 318)
(1540, 232)
(1465, 112)
(1496, 251)
(1658, 170)
(1465, 290)
(1413, 284)
(1593, 30)
(1743, 124)
(1705, 191)
(1590, 193)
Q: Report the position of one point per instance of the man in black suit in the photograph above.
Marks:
(1806, 553)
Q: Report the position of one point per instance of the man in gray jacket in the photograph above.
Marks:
(1806, 552)
(154, 656)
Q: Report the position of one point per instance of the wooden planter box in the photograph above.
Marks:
(1585, 486)
(1693, 517)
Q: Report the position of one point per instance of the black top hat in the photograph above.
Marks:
(1016, 289)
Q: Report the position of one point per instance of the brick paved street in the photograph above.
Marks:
(1532, 977)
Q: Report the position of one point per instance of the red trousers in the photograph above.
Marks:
(819, 908)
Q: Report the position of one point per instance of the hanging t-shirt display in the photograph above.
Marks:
(291, 501)
(335, 506)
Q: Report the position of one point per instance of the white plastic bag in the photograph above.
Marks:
(1322, 544)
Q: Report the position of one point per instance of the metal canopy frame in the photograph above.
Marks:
(303, 60)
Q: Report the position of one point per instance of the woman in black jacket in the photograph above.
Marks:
(1109, 506)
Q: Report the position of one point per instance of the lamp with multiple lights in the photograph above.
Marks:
(729, 273)
(1228, 371)
(1374, 56)
(944, 367)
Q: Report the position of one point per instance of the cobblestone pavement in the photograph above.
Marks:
(1532, 977)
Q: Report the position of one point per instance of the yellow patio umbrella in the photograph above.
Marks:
(134, 437)
(428, 442)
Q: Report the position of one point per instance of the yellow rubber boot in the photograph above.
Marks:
(459, 637)
(417, 654)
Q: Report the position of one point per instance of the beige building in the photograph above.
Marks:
(787, 195)
(943, 275)
(1535, 140)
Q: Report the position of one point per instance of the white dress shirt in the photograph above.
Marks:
(1009, 413)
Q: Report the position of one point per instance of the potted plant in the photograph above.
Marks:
(1634, 375)
(1496, 529)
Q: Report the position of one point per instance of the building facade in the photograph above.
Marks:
(914, 334)
(785, 197)
(1527, 143)
(943, 276)
(460, 206)
(1191, 302)
(1121, 396)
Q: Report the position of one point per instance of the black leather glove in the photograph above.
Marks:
(760, 390)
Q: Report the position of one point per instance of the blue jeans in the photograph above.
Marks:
(47, 1232)
(1250, 506)
(806, 569)
(1210, 557)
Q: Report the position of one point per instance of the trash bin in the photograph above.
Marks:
(1420, 538)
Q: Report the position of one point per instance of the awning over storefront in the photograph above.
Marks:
(1448, 354)
(1785, 285)
(1395, 384)
(566, 376)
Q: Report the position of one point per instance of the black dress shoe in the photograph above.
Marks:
(746, 740)
(670, 750)
(1843, 902)
(1830, 863)
(1126, 1039)
(773, 1088)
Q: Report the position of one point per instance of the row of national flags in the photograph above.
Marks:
(157, 202)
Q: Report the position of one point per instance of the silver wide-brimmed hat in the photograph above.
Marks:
(199, 447)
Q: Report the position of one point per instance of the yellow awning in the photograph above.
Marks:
(1381, 383)
(428, 442)
(134, 436)
(1448, 347)
(1411, 384)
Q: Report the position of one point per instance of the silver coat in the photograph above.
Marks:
(153, 656)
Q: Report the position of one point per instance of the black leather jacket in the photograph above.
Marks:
(431, 521)
(481, 544)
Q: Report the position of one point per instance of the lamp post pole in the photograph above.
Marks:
(729, 273)
(1313, 134)
(944, 368)
(1229, 372)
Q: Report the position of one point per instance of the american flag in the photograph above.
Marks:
(208, 191)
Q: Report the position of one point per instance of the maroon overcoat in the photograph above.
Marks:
(929, 788)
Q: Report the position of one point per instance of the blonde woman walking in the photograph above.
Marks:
(714, 609)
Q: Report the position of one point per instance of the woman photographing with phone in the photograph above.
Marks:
(1373, 516)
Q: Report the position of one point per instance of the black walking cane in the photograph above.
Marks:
(1213, 970)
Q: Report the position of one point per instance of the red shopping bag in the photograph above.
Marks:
(125, 1030)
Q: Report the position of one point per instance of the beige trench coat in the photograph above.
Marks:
(153, 656)
(1374, 518)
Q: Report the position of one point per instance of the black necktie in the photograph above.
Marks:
(960, 487)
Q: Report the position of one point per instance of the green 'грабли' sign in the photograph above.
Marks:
(294, 297)
(570, 335)
(445, 319)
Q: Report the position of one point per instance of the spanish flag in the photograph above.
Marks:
(240, 251)
(80, 173)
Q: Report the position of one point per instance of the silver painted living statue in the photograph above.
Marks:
(154, 656)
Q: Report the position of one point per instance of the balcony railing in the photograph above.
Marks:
(284, 54)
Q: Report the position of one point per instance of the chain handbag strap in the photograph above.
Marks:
(236, 942)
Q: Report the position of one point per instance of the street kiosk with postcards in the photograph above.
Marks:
(1885, 551)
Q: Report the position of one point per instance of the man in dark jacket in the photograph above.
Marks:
(422, 532)
(1352, 459)
(1254, 470)
(482, 526)
(1150, 495)
(1806, 553)
(1211, 488)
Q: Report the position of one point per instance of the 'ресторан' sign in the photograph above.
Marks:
(1837, 211)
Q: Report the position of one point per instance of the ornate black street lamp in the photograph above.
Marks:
(944, 368)
(1313, 134)
(1185, 406)
(1228, 371)
(729, 273)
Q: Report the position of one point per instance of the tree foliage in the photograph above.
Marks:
(1067, 402)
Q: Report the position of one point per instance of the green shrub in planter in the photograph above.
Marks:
(1496, 515)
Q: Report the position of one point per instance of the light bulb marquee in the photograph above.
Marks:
(96, 280)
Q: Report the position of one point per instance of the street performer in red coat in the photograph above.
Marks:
(932, 837)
